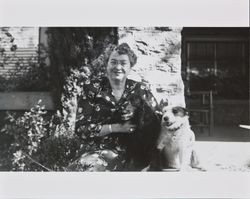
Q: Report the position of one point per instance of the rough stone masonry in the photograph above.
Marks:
(159, 60)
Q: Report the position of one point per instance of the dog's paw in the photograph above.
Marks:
(200, 168)
(186, 168)
(171, 170)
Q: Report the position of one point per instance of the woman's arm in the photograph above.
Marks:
(126, 127)
(87, 124)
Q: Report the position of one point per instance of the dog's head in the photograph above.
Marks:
(173, 117)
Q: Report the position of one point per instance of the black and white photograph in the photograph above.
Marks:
(125, 99)
(155, 109)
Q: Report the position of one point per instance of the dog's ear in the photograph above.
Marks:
(185, 111)
(159, 115)
(163, 103)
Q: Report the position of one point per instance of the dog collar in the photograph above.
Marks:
(176, 129)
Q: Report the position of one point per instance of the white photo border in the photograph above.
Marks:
(209, 13)
(129, 185)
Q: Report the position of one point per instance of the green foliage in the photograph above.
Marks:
(37, 78)
(40, 142)
(71, 48)
(74, 47)
(6, 41)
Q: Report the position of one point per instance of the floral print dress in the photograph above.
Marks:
(97, 106)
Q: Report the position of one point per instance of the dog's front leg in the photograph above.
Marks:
(185, 158)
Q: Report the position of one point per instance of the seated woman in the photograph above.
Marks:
(115, 118)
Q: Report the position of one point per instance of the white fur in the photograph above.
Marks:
(176, 140)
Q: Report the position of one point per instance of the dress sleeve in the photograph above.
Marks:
(87, 125)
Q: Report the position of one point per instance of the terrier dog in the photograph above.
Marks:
(174, 149)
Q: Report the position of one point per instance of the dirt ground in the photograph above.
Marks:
(224, 156)
(228, 149)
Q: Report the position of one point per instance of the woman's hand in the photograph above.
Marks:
(126, 127)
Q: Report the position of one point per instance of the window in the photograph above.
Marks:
(217, 63)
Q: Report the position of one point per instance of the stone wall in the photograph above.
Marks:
(159, 60)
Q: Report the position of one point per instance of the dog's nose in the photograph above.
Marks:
(165, 119)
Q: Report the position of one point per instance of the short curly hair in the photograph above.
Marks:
(122, 49)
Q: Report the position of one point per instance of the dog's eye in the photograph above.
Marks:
(174, 111)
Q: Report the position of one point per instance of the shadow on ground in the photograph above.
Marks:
(229, 133)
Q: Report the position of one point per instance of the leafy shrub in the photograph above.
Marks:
(35, 79)
(40, 142)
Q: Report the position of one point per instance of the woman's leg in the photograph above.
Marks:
(102, 160)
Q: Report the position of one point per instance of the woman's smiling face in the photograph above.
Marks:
(118, 66)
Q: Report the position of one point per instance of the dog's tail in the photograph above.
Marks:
(195, 161)
(146, 168)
